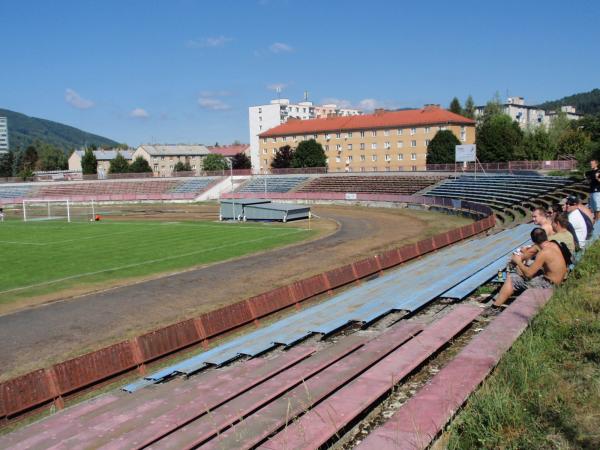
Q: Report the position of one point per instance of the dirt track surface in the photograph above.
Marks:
(38, 337)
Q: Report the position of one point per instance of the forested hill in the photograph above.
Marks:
(585, 102)
(24, 130)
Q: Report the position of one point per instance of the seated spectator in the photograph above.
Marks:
(562, 233)
(548, 269)
(579, 219)
(540, 218)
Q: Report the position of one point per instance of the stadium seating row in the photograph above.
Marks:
(273, 184)
(371, 184)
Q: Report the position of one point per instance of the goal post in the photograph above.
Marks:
(58, 209)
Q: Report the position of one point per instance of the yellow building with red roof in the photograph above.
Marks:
(386, 141)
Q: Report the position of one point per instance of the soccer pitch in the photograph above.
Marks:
(45, 257)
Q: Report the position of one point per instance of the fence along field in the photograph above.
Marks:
(44, 257)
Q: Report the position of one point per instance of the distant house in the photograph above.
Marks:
(163, 158)
(104, 157)
(229, 151)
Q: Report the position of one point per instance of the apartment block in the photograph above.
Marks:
(277, 112)
(103, 157)
(162, 158)
(386, 141)
(3, 135)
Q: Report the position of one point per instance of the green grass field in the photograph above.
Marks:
(40, 258)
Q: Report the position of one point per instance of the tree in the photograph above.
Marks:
(574, 143)
(215, 162)
(119, 164)
(7, 161)
(492, 108)
(309, 154)
(51, 157)
(30, 158)
(536, 146)
(283, 158)
(89, 163)
(455, 106)
(139, 165)
(469, 109)
(498, 138)
(441, 149)
(241, 161)
(182, 167)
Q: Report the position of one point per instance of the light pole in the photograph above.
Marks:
(232, 197)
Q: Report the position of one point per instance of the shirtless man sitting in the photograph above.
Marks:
(541, 219)
(548, 269)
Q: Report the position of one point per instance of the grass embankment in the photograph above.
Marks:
(41, 258)
(545, 393)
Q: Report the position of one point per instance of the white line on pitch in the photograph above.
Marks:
(151, 261)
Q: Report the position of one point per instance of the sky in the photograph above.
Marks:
(185, 71)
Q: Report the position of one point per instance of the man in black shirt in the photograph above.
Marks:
(593, 177)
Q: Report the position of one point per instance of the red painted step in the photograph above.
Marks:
(280, 413)
(422, 418)
(324, 421)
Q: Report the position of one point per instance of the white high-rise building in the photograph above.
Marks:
(3, 135)
(265, 117)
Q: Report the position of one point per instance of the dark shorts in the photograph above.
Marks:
(519, 283)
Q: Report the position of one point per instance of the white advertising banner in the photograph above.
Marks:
(466, 153)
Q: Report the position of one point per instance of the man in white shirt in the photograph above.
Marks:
(576, 219)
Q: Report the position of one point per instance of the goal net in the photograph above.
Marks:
(63, 209)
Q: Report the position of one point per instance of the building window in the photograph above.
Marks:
(387, 145)
(314, 136)
(386, 132)
(327, 148)
(413, 131)
(374, 169)
(463, 136)
(349, 134)
(427, 130)
(265, 160)
(362, 145)
(264, 151)
(338, 159)
(413, 156)
(349, 146)
(295, 138)
(260, 118)
(362, 169)
(400, 156)
(400, 144)
(388, 158)
(413, 143)
(327, 136)
(338, 135)
(349, 159)
(274, 150)
(374, 145)
(399, 131)
(338, 147)
(427, 141)
(414, 168)
(156, 167)
(363, 158)
(373, 157)
(387, 168)
(373, 133)
(284, 138)
(194, 167)
(362, 134)
(259, 110)
(171, 167)
(264, 140)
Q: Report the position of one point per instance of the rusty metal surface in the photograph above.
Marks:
(340, 276)
(168, 339)
(226, 318)
(366, 267)
(421, 418)
(26, 391)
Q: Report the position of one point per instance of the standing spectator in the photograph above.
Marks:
(593, 177)
(1, 214)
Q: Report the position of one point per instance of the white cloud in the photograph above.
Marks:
(280, 47)
(208, 42)
(139, 113)
(214, 104)
(369, 104)
(77, 101)
(342, 103)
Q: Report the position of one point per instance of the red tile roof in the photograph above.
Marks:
(230, 150)
(386, 119)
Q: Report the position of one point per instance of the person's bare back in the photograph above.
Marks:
(551, 262)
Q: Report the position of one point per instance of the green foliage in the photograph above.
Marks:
(309, 154)
(544, 393)
(7, 161)
(585, 102)
(492, 108)
(215, 162)
(590, 125)
(89, 163)
(455, 106)
(26, 174)
(182, 167)
(536, 146)
(51, 157)
(499, 138)
(119, 165)
(241, 161)
(30, 158)
(140, 165)
(574, 143)
(441, 149)
(283, 158)
(469, 109)
(23, 131)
